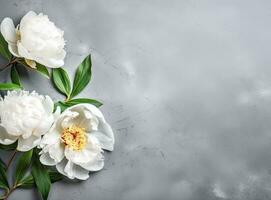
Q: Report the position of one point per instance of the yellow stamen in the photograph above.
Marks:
(74, 137)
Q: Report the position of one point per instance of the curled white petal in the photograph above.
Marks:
(13, 50)
(5, 138)
(47, 160)
(72, 171)
(8, 30)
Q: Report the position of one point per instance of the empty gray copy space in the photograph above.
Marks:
(186, 86)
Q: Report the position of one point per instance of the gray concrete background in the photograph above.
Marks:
(187, 89)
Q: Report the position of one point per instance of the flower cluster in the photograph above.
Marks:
(63, 138)
(73, 140)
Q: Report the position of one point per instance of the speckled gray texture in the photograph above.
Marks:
(186, 86)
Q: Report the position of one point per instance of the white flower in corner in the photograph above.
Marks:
(75, 142)
(25, 117)
(36, 38)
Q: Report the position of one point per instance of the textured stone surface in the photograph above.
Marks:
(186, 86)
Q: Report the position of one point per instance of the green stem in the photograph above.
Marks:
(8, 64)
(10, 190)
(8, 193)
(67, 99)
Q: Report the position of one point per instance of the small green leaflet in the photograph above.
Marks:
(64, 105)
(39, 68)
(9, 86)
(41, 177)
(82, 76)
(84, 100)
(14, 75)
(28, 181)
(61, 105)
(42, 70)
(4, 48)
(22, 166)
(61, 81)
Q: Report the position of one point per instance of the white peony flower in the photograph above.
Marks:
(25, 117)
(75, 142)
(36, 38)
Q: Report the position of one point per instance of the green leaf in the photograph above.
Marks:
(4, 48)
(9, 86)
(61, 81)
(39, 68)
(3, 176)
(41, 177)
(9, 147)
(82, 76)
(42, 70)
(62, 106)
(22, 165)
(28, 181)
(14, 75)
(83, 100)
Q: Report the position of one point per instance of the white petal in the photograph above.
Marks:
(44, 126)
(8, 30)
(93, 109)
(6, 138)
(90, 158)
(80, 173)
(27, 134)
(90, 122)
(27, 144)
(53, 62)
(68, 118)
(95, 164)
(61, 166)
(48, 104)
(105, 133)
(13, 50)
(82, 107)
(26, 17)
(83, 156)
(75, 171)
(56, 151)
(57, 112)
(105, 136)
(67, 168)
(50, 138)
(49, 62)
(23, 52)
(47, 160)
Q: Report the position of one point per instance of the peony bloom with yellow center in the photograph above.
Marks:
(76, 141)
